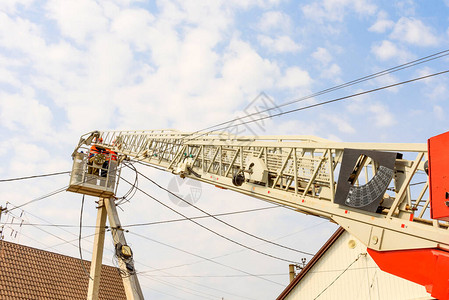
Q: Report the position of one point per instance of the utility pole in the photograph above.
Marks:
(107, 208)
(97, 255)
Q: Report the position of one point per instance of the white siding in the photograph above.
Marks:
(363, 280)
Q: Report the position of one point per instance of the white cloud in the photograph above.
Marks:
(328, 69)
(261, 3)
(78, 20)
(11, 6)
(341, 124)
(388, 79)
(332, 72)
(295, 77)
(25, 114)
(406, 7)
(387, 50)
(245, 68)
(281, 44)
(435, 87)
(20, 34)
(274, 20)
(414, 32)
(322, 55)
(133, 25)
(382, 117)
(382, 24)
(335, 10)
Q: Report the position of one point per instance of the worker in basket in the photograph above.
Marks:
(96, 159)
(109, 156)
(99, 158)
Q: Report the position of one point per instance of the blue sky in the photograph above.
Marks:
(70, 67)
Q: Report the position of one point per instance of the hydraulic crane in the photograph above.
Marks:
(393, 197)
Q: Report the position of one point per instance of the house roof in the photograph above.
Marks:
(311, 263)
(29, 273)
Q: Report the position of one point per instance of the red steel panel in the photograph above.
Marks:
(427, 267)
(438, 152)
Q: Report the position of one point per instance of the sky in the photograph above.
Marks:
(71, 67)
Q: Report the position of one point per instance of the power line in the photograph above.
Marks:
(221, 221)
(343, 85)
(149, 223)
(214, 276)
(182, 288)
(201, 217)
(230, 253)
(203, 258)
(325, 91)
(328, 102)
(189, 281)
(344, 271)
(52, 234)
(210, 230)
(79, 240)
(34, 176)
(37, 199)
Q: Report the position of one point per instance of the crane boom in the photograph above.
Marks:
(376, 191)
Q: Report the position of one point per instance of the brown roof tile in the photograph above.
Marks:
(29, 273)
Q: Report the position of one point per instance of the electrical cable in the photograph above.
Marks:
(221, 221)
(189, 281)
(52, 234)
(228, 254)
(147, 223)
(37, 199)
(181, 288)
(340, 86)
(205, 258)
(276, 204)
(214, 276)
(328, 101)
(350, 83)
(358, 257)
(212, 231)
(199, 217)
(79, 240)
(34, 176)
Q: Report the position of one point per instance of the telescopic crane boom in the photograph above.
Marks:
(393, 197)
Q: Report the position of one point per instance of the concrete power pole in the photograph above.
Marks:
(123, 252)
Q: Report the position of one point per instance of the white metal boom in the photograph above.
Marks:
(386, 206)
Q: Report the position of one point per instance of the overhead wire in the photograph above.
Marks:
(79, 240)
(37, 199)
(70, 242)
(203, 258)
(34, 176)
(227, 254)
(220, 220)
(344, 271)
(189, 281)
(211, 230)
(416, 62)
(340, 86)
(149, 223)
(183, 289)
(425, 59)
(328, 101)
